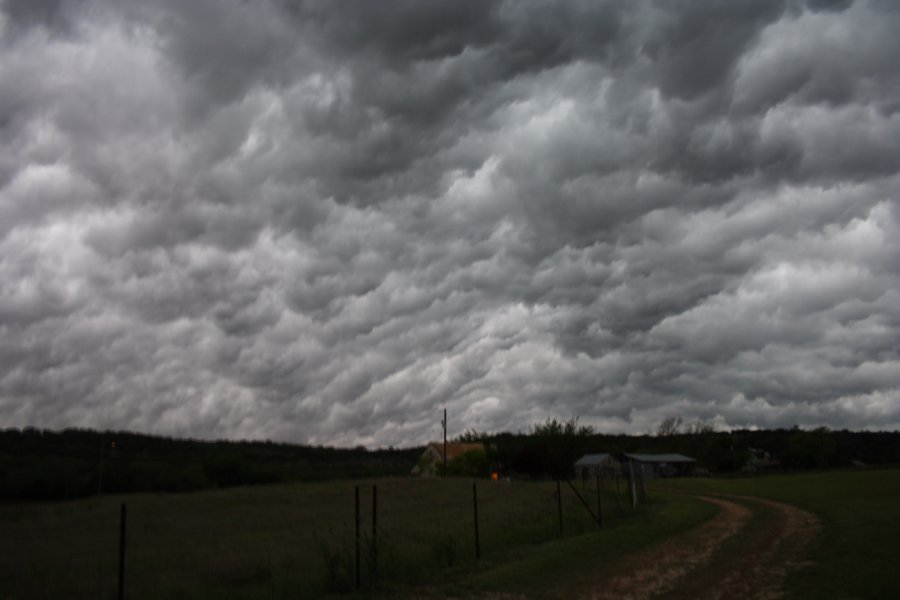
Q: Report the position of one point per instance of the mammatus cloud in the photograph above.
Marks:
(322, 223)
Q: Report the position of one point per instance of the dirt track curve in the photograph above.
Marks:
(691, 565)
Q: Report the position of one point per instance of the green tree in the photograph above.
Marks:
(473, 463)
(811, 449)
(561, 443)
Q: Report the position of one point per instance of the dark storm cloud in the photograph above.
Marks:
(322, 222)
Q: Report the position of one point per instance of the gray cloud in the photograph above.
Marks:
(297, 221)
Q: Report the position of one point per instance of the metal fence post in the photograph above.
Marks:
(357, 539)
(122, 515)
(559, 505)
(643, 488)
(596, 518)
(599, 505)
(475, 510)
(618, 492)
(632, 487)
(375, 531)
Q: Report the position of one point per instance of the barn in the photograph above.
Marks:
(590, 466)
(655, 466)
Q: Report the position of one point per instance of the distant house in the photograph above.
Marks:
(432, 458)
(590, 466)
(655, 466)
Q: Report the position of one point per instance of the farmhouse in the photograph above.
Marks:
(591, 466)
(433, 457)
(655, 466)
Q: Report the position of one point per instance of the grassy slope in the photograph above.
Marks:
(855, 556)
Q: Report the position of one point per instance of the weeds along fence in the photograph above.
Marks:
(287, 541)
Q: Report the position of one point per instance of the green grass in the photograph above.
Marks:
(565, 567)
(855, 554)
(298, 540)
(289, 541)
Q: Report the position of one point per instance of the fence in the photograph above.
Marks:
(293, 541)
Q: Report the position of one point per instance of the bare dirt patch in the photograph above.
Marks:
(744, 552)
(761, 573)
(687, 566)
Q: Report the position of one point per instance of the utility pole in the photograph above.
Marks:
(444, 425)
(100, 476)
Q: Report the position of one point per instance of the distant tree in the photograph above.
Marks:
(811, 449)
(554, 427)
(470, 436)
(701, 427)
(559, 444)
(669, 426)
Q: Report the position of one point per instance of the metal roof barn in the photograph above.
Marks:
(591, 466)
(661, 458)
(663, 465)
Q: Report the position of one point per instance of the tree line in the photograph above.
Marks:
(40, 464)
(550, 448)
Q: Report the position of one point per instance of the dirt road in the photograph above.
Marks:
(745, 551)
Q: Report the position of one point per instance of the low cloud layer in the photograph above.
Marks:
(319, 222)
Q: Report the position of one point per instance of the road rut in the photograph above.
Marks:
(688, 565)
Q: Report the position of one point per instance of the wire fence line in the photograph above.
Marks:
(301, 540)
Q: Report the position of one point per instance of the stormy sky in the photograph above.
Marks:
(324, 222)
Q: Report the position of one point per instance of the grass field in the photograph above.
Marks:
(289, 541)
(855, 555)
(298, 540)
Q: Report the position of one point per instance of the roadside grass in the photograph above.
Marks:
(297, 540)
(568, 566)
(855, 554)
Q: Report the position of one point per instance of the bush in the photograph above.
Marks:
(473, 463)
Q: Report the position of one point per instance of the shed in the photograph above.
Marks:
(590, 466)
(663, 465)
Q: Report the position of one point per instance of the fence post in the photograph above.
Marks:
(122, 516)
(599, 505)
(618, 492)
(631, 485)
(475, 510)
(357, 538)
(596, 518)
(643, 495)
(559, 505)
(100, 476)
(374, 531)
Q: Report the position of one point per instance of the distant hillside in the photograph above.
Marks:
(39, 464)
